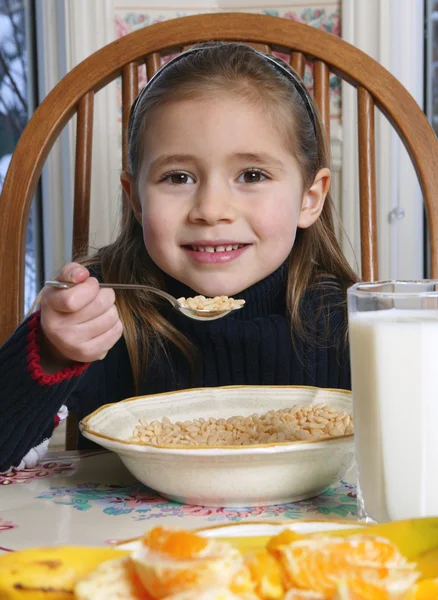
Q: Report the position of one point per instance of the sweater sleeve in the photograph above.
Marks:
(32, 402)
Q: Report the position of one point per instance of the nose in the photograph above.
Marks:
(213, 203)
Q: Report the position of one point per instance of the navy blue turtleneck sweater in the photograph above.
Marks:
(252, 346)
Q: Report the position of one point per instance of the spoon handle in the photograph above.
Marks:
(63, 285)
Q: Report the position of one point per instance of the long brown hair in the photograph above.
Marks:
(237, 69)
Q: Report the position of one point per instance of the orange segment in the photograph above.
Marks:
(284, 538)
(321, 564)
(162, 581)
(241, 581)
(361, 590)
(295, 594)
(266, 575)
(179, 544)
(172, 562)
(424, 590)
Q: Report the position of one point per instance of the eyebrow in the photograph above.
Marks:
(254, 159)
(166, 159)
(261, 158)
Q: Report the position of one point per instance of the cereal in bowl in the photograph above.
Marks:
(304, 423)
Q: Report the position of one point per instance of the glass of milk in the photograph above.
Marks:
(393, 331)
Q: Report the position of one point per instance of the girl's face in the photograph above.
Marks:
(220, 196)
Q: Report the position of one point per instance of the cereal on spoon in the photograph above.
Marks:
(218, 303)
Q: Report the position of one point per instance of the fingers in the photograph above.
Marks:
(73, 299)
(85, 349)
(82, 302)
(73, 273)
(93, 328)
(81, 323)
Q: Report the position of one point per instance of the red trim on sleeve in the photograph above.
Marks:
(34, 361)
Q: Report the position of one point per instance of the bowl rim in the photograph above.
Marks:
(85, 427)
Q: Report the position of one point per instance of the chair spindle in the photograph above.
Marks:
(322, 93)
(367, 185)
(82, 183)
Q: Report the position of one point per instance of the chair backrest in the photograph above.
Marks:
(375, 87)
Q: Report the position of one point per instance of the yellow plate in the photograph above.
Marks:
(417, 539)
(253, 536)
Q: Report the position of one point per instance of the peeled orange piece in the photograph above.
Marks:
(266, 575)
(175, 561)
(424, 590)
(179, 544)
(295, 594)
(216, 593)
(361, 590)
(322, 564)
(284, 538)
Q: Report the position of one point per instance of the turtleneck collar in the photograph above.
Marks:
(262, 299)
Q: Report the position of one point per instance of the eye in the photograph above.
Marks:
(177, 178)
(252, 176)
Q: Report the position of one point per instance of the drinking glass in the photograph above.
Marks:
(393, 332)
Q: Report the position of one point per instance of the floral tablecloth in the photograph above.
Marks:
(91, 499)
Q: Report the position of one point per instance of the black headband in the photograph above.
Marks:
(299, 86)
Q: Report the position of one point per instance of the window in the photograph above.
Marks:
(432, 62)
(17, 94)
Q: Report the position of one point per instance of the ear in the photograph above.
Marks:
(128, 186)
(314, 198)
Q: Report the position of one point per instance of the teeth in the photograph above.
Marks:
(217, 248)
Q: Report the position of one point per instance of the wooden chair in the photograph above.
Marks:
(75, 94)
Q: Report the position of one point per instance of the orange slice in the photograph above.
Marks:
(322, 564)
(175, 561)
(295, 594)
(284, 538)
(361, 590)
(178, 544)
(266, 575)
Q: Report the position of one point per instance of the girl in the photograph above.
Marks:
(228, 192)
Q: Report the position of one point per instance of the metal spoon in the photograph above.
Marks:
(192, 313)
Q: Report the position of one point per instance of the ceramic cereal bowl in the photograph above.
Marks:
(255, 475)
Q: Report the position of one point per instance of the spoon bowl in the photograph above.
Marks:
(191, 313)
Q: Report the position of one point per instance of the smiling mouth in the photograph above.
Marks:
(211, 249)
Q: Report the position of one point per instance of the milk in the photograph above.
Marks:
(394, 357)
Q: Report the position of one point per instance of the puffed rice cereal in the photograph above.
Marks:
(218, 303)
(300, 423)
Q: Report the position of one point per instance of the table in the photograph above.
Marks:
(92, 499)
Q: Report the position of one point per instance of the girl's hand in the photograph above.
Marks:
(80, 323)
